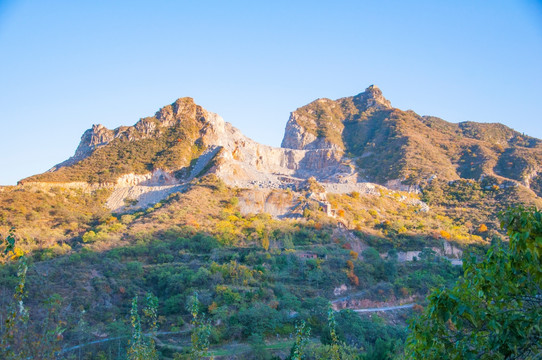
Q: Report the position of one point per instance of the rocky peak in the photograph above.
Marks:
(169, 115)
(94, 137)
(320, 124)
(372, 98)
(98, 135)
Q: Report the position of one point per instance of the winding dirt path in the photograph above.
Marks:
(385, 308)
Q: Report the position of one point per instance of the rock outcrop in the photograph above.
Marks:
(314, 126)
(93, 138)
(343, 144)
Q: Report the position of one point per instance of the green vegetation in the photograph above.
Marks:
(143, 347)
(391, 144)
(494, 311)
(44, 214)
(201, 331)
(19, 337)
(472, 203)
(171, 148)
(256, 277)
(302, 338)
(246, 292)
(227, 282)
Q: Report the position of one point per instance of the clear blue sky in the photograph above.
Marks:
(65, 65)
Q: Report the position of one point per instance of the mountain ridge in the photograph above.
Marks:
(348, 141)
(183, 201)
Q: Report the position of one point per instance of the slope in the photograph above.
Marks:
(390, 144)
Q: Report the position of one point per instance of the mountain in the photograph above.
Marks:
(389, 144)
(358, 207)
(349, 144)
(346, 141)
(397, 178)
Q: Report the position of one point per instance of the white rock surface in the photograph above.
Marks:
(237, 160)
(144, 195)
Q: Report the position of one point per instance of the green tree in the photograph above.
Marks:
(495, 310)
(142, 347)
(18, 340)
(265, 242)
(201, 331)
(17, 318)
(335, 350)
(302, 336)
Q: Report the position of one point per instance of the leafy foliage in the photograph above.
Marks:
(494, 311)
(142, 345)
(201, 331)
(18, 340)
(302, 336)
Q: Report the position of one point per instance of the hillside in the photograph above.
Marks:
(364, 205)
(168, 140)
(390, 144)
(356, 144)
(253, 273)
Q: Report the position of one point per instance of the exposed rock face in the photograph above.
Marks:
(276, 204)
(155, 178)
(126, 198)
(242, 162)
(314, 126)
(93, 138)
(97, 136)
(296, 137)
(342, 143)
(140, 191)
(372, 98)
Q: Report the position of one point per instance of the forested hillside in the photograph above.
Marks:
(179, 237)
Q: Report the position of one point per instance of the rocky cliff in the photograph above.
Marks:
(343, 144)
(320, 124)
(398, 148)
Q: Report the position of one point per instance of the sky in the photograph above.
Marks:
(65, 65)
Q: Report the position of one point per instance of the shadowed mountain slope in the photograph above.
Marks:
(390, 144)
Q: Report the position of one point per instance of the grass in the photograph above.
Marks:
(227, 350)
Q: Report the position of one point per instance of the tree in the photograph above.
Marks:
(141, 348)
(332, 347)
(18, 340)
(335, 352)
(17, 317)
(265, 242)
(495, 310)
(201, 331)
(302, 336)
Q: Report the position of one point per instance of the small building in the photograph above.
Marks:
(306, 255)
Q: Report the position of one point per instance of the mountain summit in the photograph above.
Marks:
(343, 144)
(363, 206)
(390, 145)
(320, 123)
